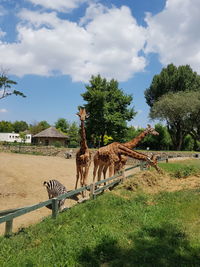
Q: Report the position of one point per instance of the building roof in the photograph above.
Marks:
(51, 132)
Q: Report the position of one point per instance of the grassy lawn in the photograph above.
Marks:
(119, 228)
(182, 169)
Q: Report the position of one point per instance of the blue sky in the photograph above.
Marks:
(51, 49)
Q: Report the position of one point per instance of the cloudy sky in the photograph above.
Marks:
(51, 49)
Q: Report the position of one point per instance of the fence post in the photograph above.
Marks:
(142, 165)
(8, 229)
(123, 176)
(54, 207)
(92, 186)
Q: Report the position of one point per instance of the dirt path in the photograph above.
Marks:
(21, 179)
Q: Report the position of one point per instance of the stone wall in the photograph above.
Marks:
(60, 152)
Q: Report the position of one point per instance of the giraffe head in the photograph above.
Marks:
(151, 130)
(82, 114)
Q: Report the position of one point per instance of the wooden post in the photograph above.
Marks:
(167, 160)
(8, 229)
(123, 176)
(92, 186)
(141, 165)
(54, 207)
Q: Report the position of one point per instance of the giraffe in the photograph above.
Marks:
(83, 155)
(133, 143)
(119, 162)
(108, 155)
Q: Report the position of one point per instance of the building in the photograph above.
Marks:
(50, 136)
(14, 137)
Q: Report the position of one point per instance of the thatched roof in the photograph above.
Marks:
(50, 132)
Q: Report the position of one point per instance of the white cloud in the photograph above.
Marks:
(174, 33)
(3, 110)
(107, 42)
(59, 5)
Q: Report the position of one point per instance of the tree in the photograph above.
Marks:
(22, 136)
(20, 126)
(73, 133)
(38, 127)
(172, 79)
(6, 127)
(181, 111)
(159, 142)
(62, 125)
(5, 86)
(108, 109)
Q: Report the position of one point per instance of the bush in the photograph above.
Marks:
(57, 144)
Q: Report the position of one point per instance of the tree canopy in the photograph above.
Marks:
(172, 79)
(62, 125)
(108, 109)
(5, 86)
(181, 111)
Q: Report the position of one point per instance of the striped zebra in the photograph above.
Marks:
(54, 189)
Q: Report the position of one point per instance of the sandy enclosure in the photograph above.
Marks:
(21, 179)
(21, 183)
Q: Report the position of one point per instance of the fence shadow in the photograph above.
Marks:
(165, 245)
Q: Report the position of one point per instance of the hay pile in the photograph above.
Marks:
(153, 182)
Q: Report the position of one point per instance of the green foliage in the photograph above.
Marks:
(5, 86)
(57, 144)
(73, 133)
(22, 135)
(188, 143)
(38, 127)
(107, 140)
(181, 111)
(172, 79)
(6, 127)
(62, 125)
(20, 126)
(108, 109)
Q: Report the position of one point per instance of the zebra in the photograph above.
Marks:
(55, 189)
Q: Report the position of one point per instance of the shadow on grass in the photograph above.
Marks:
(152, 246)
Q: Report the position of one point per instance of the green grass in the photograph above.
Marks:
(119, 228)
(182, 169)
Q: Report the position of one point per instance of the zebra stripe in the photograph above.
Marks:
(54, 189)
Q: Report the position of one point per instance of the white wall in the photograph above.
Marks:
(14, 137)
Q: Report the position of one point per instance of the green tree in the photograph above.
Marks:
(172, 79)
(38, 127)
(62, 125)
(6, 127)
(22, 136)
(5, 86)
(180, 111)
(20, 126)
(159, 142)
(73, 133)
(108, 109)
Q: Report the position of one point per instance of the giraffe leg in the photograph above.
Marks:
(111, 170)
(77, 176)
(95, 171)
(100, 171)
(104, 173)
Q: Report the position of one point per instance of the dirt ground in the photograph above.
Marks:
(21, 183)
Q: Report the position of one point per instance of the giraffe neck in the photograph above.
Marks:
(134, 142)
(84, 146)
